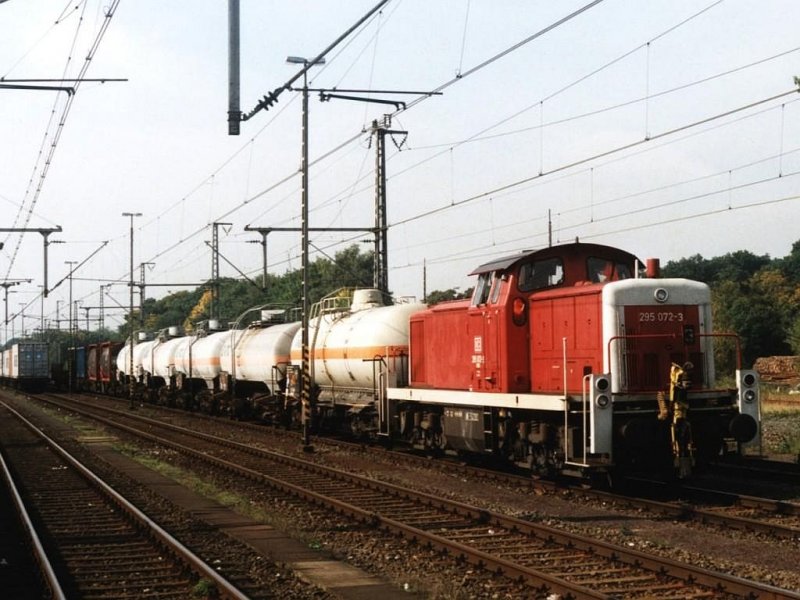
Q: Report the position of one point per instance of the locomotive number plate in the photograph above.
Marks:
(659, 316)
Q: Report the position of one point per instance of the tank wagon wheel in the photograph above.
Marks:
(184, 401)
(207, 403)
(165, 397)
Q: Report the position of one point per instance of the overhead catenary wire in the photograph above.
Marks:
(43, 171)
(588, 159)
(451, 145)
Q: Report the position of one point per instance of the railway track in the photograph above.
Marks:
(99, 545)
(25, 570)
(545, 559)
(730, 511)
(769, 470)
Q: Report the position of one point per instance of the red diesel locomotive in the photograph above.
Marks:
(566, 360)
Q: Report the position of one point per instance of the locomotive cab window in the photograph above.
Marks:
(481, 293)
(540, 274)
(487, 289)
(496, 287)
(603, 269)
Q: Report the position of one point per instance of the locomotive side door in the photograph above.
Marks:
(483, 329)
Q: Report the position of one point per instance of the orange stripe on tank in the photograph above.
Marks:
(243, 360)
(357, 353)
(213, 361)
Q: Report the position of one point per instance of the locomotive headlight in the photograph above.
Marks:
(602, 384)
(749, 396)
(661, 295)
(519, 311)
(749, 379)
(602, 401)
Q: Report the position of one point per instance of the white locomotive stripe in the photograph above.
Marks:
(466, 398)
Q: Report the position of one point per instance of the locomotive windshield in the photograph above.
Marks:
(487, 282)
(603, 269)
(540, 274)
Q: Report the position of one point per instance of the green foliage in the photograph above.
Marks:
(734, 266)
(205, 589)
(754, 316)
(790, 265)
(437, 296)
(794, 336)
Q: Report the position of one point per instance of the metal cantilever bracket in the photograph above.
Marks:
(398, 105)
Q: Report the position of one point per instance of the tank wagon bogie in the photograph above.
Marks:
(564, 359)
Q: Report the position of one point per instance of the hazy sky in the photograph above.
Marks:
(613, 121)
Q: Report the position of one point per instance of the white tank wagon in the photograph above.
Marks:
(143, 360)
(262, 354)
(201, 358)
(123, 362)
(164, 380)
(164, 357)
(142, 365)
(123, 359)
(253, 368)
(352, 352)
(197, 368)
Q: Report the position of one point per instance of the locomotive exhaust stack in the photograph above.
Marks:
(653, 268)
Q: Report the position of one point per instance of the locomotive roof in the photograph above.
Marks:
(572, 250)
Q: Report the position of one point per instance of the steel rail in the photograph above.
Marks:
(137, 515)
(48, 573)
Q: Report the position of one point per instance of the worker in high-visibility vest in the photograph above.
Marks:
(681, 429)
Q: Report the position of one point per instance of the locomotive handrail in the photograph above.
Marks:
(567, 460)
(736, 338)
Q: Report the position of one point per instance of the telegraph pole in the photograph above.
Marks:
(214, 312)
(142, 291)
(71, 349)
(130, 316)
(381, 254)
